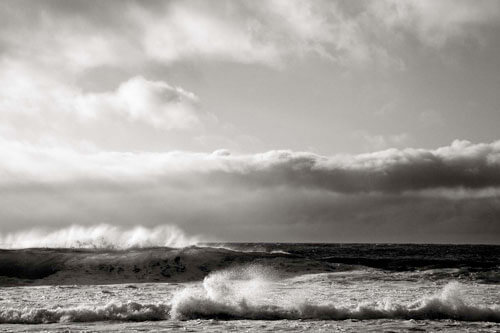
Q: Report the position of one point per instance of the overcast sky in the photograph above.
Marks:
(331, 121)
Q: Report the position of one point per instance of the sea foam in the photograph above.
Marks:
(249, 292)
(189, 305)
(130, 311)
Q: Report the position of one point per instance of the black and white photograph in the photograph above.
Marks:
(249, 166)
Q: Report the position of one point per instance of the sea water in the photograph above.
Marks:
(366, 288)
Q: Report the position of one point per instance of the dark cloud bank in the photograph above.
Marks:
(392, 171)
(450, 194)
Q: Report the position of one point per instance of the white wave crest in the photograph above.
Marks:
(98, 236)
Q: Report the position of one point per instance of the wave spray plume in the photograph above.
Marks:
(98, 236)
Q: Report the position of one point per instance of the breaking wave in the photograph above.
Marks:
(237, 294)
(234, 295)
(98, 236)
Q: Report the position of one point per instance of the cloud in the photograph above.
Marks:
(79, 36)
(267, 32)
(436, 23)
(69, 37)
(349, 34)
(39, 105)
(202, 31)
(155, 103)
(447, 194)
(48, 49)
(36, 106)
(460, 165)
(39, 95)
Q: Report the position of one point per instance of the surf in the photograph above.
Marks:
(248, 293)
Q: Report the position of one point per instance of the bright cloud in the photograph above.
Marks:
(155, 103)
(44, 105)
(266, 32)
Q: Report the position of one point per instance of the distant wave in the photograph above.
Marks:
(257, 248)
(97, 266)
(98, 236)
(124, 264)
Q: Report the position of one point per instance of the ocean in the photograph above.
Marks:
(253, 288)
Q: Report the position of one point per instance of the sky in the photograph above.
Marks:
(290, 121)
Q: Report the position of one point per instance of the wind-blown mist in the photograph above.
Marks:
(98, 236)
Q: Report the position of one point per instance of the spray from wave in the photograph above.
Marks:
(224, 297)
(222, 293)
(98, 236)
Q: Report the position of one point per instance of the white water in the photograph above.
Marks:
(255, 295)
(245, 294)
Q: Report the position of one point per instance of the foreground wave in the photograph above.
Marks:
(235, 294)
(210, 305)
(437, 307)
